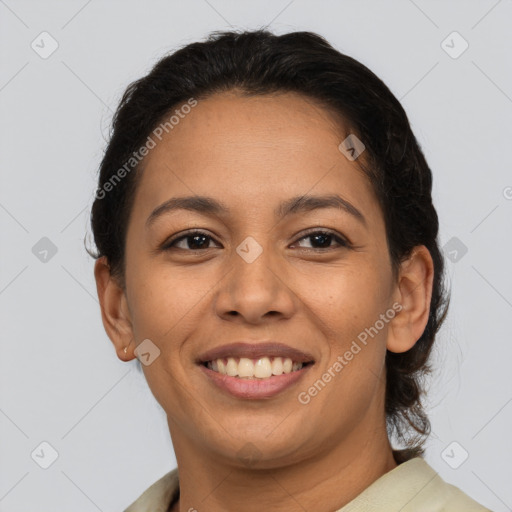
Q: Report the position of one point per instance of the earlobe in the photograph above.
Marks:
(414, 291)
(114, 310)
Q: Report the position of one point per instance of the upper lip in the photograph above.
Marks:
(255, 350)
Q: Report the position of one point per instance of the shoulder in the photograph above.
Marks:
(413, 486)
(439, 493)
(158, 496)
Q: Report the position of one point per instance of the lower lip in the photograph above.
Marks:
(255, 388)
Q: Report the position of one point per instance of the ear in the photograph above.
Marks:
(413, 293)
(114, 310)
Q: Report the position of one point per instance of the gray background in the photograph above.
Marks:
(60, 379)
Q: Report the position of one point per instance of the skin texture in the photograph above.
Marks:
(251, 154)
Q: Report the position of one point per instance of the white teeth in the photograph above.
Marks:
(263, 368)
(246, 368)
(232, 367)
(277, 366)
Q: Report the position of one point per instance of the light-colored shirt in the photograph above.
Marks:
(413, 486)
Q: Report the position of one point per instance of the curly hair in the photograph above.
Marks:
(258, 63)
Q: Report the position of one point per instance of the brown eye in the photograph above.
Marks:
(321, 240)
(198, 240)
(194, 241)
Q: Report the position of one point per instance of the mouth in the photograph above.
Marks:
(261, 368)
(254, 370)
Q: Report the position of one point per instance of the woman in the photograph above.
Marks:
(267, 248)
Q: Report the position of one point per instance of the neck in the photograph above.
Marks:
(322, 482)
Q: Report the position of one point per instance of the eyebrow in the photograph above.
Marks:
(210, 206)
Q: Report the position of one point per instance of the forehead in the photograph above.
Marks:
(224, 123)
(249, 151)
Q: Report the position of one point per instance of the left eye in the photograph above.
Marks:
(198, 240)
(324, 238)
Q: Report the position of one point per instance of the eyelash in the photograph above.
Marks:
(168, 246)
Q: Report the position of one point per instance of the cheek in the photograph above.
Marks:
(349, 312)
(157, 302)
(347, 300)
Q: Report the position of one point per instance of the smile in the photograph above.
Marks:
(261, 368)
(250, 387)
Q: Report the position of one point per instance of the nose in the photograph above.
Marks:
(256, 290)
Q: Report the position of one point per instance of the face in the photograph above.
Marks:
(254, 275)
